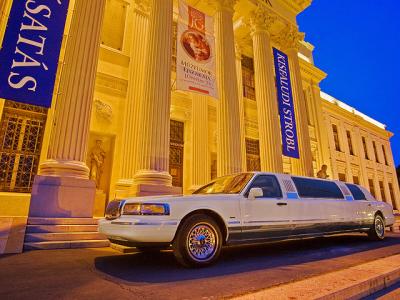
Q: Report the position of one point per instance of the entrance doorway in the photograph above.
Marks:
(21, 134)
(176, 152)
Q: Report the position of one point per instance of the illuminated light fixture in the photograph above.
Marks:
(146, 209)
(352, 110)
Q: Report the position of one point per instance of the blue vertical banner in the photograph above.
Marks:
(290, 146)
(31, 49)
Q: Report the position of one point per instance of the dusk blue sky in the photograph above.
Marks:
(357, 43)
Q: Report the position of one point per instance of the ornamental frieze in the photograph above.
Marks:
(262, 19)
(288, 38)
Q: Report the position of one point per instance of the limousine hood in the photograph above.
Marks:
(178, 198)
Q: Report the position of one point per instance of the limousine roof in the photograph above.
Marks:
(340, 183)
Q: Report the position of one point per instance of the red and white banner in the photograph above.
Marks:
(195, 58)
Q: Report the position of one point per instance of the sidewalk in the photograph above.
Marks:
(351, 283)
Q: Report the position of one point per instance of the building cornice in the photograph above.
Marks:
(295, 6)
(312, 72)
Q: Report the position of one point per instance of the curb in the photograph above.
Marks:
(366, 288)
(352, 283)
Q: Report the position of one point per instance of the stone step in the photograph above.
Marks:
(66, 244)
(60, 228)
(63, 221)
(63, 236)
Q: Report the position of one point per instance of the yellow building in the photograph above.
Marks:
(119, 127)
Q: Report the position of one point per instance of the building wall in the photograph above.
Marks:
(110, 103)
(357, 166)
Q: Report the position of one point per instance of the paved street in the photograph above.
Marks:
(108, 274)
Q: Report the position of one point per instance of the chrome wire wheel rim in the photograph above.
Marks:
(379, 227)
(202, 242)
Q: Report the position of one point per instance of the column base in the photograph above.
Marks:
(124, 189)
(62, 197)
(141, 190)
(153, 177)
(146, 183)
(64, 168)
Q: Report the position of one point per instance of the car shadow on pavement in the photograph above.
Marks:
(162, 268)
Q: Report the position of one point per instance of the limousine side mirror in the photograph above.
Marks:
(255, 193)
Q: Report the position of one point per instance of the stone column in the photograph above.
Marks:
(131, 129)
(153, 175)
(267, 104)
(242, 117)
(63, 188)
(290, 44)
(5, 6)
(200, 162)
(229, 146)
(320, 128)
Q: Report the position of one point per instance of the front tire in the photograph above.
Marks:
(198, 242)
(377, 231)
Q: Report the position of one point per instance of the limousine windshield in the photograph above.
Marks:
(232, 184)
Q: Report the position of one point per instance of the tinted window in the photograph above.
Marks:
(313, 188)
(356, 192)
(269, 184)
(232, 184)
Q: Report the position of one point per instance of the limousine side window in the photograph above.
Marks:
(269, 185)
(356, 192)
(314, 188)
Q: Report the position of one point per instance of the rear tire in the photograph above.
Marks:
(377, 230)
(198, 242)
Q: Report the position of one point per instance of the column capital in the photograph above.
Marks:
(142, 6)
(289, 38)
(220, 5)
(261, 19)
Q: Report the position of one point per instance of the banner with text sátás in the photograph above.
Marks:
(31, 49)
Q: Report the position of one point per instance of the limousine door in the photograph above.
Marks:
(319, 209)
(265, 217)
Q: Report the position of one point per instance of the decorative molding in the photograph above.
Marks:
(112, 84)
(289, 38)
(103, 110)
(296, 6)
(313, 73)
(142, 6)
(261, 19)
(220, 5)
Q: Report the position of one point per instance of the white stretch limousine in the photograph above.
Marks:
(241, 209)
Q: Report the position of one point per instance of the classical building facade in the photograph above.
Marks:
(119, 127)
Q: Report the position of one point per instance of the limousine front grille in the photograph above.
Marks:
(113, 210)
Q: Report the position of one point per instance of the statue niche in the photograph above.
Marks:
(97, 158)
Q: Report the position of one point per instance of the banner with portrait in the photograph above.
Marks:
(195, 59)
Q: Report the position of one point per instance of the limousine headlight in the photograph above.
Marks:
(146, 209)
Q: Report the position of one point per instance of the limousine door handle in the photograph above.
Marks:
(281, 203)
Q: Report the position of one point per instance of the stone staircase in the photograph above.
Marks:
(396, 225)
(63, 233)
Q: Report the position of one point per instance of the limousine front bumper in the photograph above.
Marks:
(389, 220)
(138, 231)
